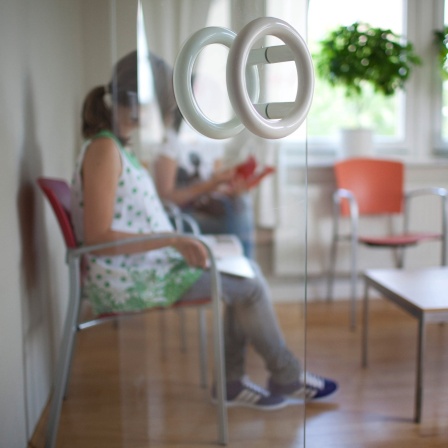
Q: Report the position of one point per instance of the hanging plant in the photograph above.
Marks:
(441, 38)
(359, 55)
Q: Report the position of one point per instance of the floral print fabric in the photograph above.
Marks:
(123, 283)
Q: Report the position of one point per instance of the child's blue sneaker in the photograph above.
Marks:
(244, 393)
(308, 387)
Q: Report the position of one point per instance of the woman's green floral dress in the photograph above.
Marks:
(138, 281)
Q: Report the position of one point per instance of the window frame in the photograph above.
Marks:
(423, 93)
(422, 106)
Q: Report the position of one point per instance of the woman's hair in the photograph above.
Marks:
(97, 114)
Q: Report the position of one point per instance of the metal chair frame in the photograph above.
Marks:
(354, 238)
(184, 223)
(72, 324)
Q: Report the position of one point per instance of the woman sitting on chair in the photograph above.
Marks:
(114, 198)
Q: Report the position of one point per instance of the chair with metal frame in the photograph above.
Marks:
(370, 186)
(181, 221)
(184, 223)
(57, 192)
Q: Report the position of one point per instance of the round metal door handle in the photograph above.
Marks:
(236, 78)
(183, 88)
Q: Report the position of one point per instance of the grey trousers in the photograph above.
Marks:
(250, 318)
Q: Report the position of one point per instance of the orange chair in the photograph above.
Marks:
(58, 194)
(367, 186)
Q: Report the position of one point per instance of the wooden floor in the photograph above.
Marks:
(126, 393)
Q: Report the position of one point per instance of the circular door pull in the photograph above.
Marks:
(237, 61)
(183, 88)
(272, 121)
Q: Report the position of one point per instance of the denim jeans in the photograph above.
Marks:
(250, 317)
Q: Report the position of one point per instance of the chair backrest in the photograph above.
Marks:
(377, 184)
(57, 191)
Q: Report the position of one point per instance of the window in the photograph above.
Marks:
(209, 82)
(331, 110)
(413, 122)
(280, 80)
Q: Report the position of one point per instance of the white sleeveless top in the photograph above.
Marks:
(133, 282)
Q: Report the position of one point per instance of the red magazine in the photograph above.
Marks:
(253, 176)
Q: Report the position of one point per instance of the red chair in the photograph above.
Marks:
(58, 194)
(367, 186)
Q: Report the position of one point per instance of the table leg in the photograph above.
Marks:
(365, 324)
(419, 376)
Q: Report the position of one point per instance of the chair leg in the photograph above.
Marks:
(399, 257)
(333, 248)
(72, 348)
(220, 374)
(202, 347)
(353, 278)
(69, 367)
(64, 358)
(162, 329)
(444, 236)
(331, 269)
(182, 330)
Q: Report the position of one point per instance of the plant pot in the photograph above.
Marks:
(356, 142)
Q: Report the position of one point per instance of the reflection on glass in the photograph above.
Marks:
(160, 400)
(197, 158)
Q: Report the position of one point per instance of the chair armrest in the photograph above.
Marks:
(83, 250)
(171, 208)
(174, 214)
(429, 191)
(442, 193)
(73, 256)
(339, 195)
(179, 218)
(191, 222)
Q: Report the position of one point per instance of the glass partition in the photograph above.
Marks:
(159, 399)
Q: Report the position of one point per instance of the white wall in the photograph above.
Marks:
(108, 33)
(42, 83)
(52, 51)
(39, 108)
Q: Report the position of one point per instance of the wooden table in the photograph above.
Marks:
(423, 293)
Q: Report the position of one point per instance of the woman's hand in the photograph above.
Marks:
(223, 177)
(229, 183)
(193, 251)
(238, 186)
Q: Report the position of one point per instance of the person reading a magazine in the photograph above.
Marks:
(220, 203)
(114, 198)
